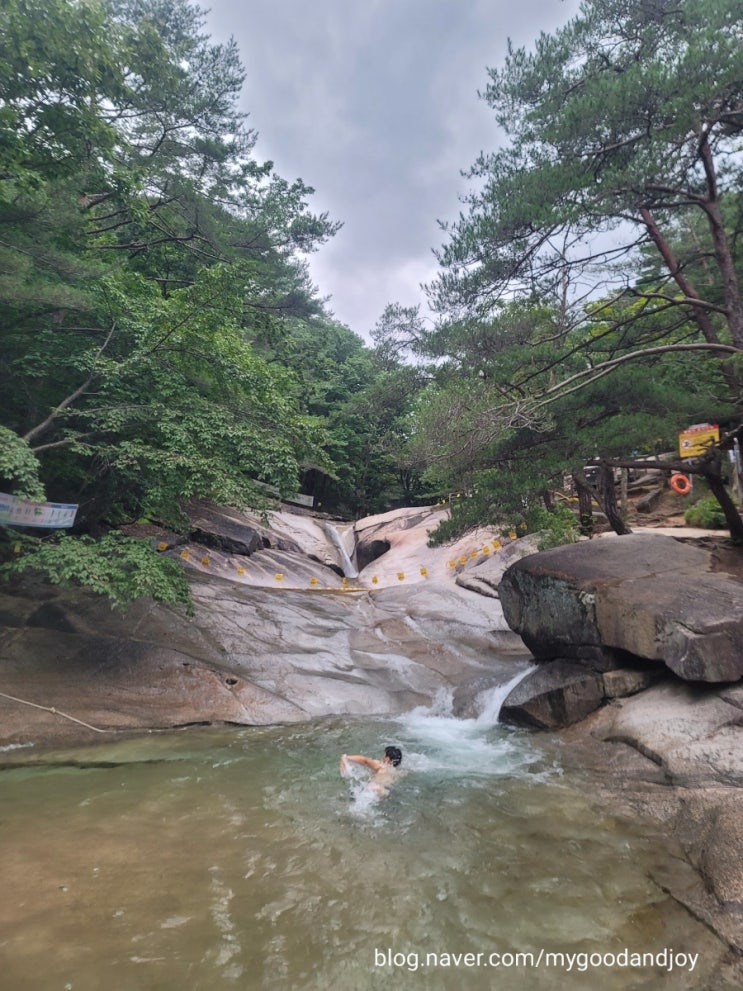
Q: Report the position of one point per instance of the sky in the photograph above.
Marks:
(374, 103)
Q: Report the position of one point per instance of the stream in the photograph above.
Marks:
(239, 858)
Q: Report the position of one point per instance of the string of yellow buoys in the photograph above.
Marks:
(314, 583)
(493, 547)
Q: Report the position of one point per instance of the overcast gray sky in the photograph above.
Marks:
(374, 103)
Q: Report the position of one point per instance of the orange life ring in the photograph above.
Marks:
(680, 484)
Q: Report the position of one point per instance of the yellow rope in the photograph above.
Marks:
(56, 712)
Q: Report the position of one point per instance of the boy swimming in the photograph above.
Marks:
(383, 771)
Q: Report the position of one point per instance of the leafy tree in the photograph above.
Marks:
(621, 126)
(19, 469)
(58, 70)
(361, 400)
(119, 567)
(399, 333)
(615, 200)
(147, 262)
(478, 433)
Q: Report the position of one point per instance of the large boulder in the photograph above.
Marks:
(639, 596)
(694, 735)
(232, 531)
(562, 692)
(553, 696)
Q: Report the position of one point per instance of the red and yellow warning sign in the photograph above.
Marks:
(697, 439)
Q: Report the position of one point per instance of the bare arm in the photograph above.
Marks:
(370, 762)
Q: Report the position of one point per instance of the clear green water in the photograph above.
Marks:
(216, 859)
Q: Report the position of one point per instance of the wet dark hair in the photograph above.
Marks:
(394, 754)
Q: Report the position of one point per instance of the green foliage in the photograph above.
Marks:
(465, 514)
(57, 66)
(474, 439)
(707, 514)
(19, 468)
(162, 339)
(555, 528)
(598, 118)
(121, 568)
(362, 401)
(604, 146)
(484, 507)
(531, 380)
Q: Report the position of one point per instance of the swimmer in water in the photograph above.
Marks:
(383, 771)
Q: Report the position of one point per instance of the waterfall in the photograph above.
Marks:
(349, 568)
(434, 741)
(494, 698)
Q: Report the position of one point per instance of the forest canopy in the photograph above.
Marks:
(161, 337)
(162, 340)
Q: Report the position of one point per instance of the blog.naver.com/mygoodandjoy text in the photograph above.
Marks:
(666, 959)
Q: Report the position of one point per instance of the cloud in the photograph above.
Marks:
(375, 105)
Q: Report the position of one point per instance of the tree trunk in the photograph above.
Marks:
(713, 474)
(624, 502)
(607, 496)
(723, 252)
(585, 505)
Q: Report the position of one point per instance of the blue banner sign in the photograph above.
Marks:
(21, 512)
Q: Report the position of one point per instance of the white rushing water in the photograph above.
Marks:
(492, 700)
(349, 568)
(438, 746)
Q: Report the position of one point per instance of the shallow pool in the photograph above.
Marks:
(219, 859)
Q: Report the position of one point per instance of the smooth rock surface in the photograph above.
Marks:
(251, 656)
(279, 635)
(645, 595)
(712, 822)
(405, 532)
(693, 737)
(622, 682)
(705, 749)
(486, 575)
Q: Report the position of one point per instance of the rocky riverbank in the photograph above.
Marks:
(279, 635)
(642, 689)
(640, 648)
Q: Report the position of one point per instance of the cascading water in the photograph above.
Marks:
(436, 742)
(349, 568)
(492, 700)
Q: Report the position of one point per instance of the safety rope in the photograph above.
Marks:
(56, 712)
